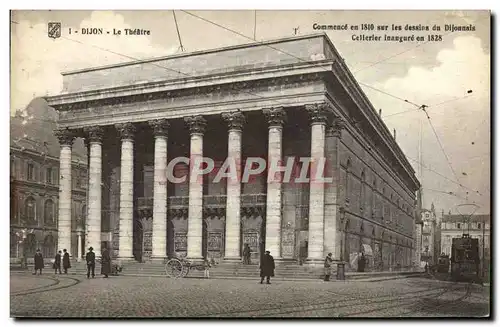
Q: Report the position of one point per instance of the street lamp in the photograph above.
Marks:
(79, 232)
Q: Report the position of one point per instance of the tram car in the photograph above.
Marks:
(465, 258)
(443, 264)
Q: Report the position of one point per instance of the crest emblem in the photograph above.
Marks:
(54, 30)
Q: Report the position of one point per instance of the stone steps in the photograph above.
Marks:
(228, 270)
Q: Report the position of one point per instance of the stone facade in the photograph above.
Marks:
(477, 226)
(241, 102)
(34, 219)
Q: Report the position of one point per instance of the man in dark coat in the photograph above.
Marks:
(361, 263)
(57, 263)
(105, 263)
(266, 267)
(38, 261)
(66, 262)
(90, 258)
(328, 267)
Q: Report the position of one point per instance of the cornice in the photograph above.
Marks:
(188, 86)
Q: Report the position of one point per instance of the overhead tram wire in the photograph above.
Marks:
(401, 99)
(178, 33)
(188, 75)
(441, 175)
(149, 63)
(179, 72)
(286, 53)
(441, 145)
(301, 59)
(429, 107)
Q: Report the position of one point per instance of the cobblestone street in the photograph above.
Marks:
(76, 296)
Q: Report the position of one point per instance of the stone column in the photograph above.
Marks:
(160, 129)
(65, 137)
(275, 118)
(196, 126)
(333, 228)
(318, 119)
(235, 123)
(126, 191)
(95, 135)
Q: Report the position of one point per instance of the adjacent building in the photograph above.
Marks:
(477, 226)
(34, 188)
(430, 236)
(291, 97)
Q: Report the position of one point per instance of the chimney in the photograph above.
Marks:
(380, 112)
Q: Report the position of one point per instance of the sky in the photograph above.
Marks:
(454, 140)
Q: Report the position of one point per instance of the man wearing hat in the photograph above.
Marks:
(90, 258)
(266, 267)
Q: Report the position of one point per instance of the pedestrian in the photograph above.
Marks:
(247, 252)
(361, 263)
(66, 262)
(267, 267)
(38, 261)
(206, 265)
(90, 258)
(328, 267)
(57, 263)
(105, 263)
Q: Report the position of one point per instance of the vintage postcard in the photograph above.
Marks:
(251, 163)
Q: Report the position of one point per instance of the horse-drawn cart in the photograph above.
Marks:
(180, 267)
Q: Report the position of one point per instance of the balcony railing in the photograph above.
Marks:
(208, 200)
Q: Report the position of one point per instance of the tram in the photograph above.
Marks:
(443, 265)
(465, 258)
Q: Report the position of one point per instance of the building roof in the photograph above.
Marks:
(465, 218)
(37, 133)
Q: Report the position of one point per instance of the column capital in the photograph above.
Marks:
(196, 124)
(276, 117)
(234, 120)
(160, 127)
(319, 113)
(336, 127)
(94, 134)
(65, 136)
(126, 131)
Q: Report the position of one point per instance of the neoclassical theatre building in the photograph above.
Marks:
(292, 97)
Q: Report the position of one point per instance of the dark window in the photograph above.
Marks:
(31, 172)
(458, 225)
(49, 212)
(48, 175)
(478, 225)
